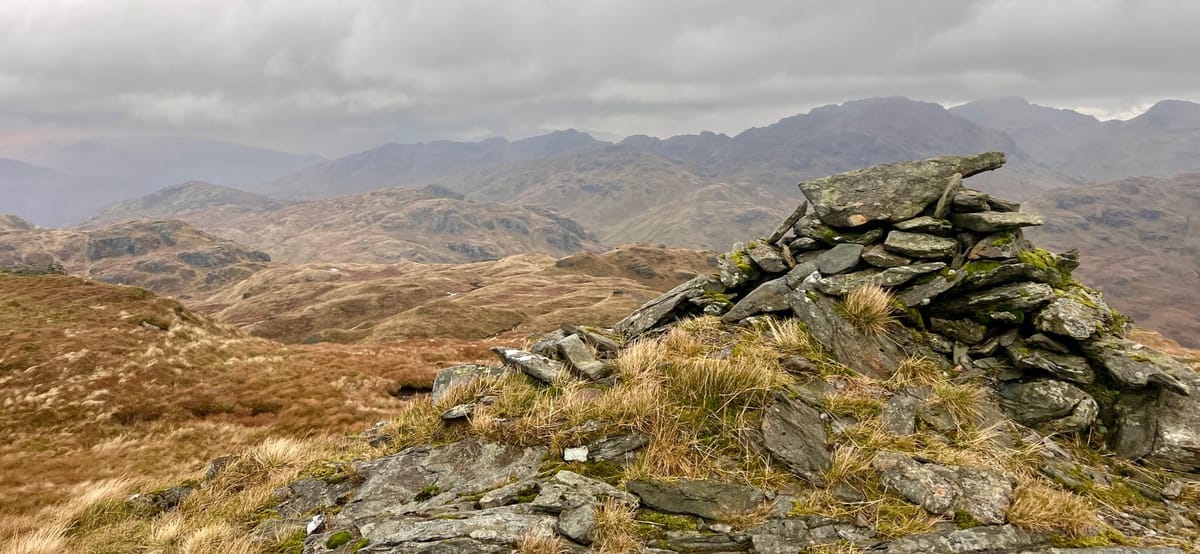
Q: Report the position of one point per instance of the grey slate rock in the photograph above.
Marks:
(568, 490)
(925, 224)
(577, 523)
(667, 306)
(503, 526)
(1046, 343)
(918, 245)
(1134, 366)
(1161, 427)
(804, 244)
(983, 494)
(736, 268)
(921, 293)
(874, 356)
(794, 433)
(991, 222)
(538, 367)
(508, 494)
(839, 259)
(1000, 246)
(899, 414)
(1012, 297)
(461, 374)
(806, 265)
(1067, 367)
(993, 539)
(878, 256)
(1050, 406)
(890, 192)
(968, 200)
(1072, 317)
(708, 499)
(616, 448)
(896, 276)
(597, 338)
(577, 355)
(766, 257)
(840, 285)
(393, 485)
(461, 411)
(770, 296)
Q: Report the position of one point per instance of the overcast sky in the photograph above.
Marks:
(338, 76)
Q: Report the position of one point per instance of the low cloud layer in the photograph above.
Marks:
(334, 77)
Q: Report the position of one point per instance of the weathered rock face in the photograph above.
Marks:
(795, 434)
(707, 499)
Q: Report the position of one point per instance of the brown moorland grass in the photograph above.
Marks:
(100, 381)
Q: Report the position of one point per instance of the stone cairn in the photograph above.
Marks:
(970, 289)
(969, 293)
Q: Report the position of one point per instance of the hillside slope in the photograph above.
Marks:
(101, 381)
(512, 297)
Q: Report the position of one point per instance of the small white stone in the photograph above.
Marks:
(316, 523)
(575, 454)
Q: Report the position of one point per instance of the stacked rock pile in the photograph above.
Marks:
(969, 288)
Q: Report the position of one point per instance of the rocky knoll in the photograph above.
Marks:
(900, 371)
(168, 257)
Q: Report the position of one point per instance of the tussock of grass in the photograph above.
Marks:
(616, 529)
(1038, 506)
(869, 308)
(914, 371)
(541, 543)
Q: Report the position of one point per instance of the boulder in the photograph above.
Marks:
(1048, 405)
(890, 192)
(991, 222)
(536, 366)
(708, 499)
(918, 245)
(1161, 427)
(794, 433)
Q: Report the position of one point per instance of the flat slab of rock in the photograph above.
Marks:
(505, 525)
(965, 331)
(1049, 405)
(705, 498)
(927, 290)
(667, 306)
(1161, 427)
(536, 366)
(874, 356)
(795, 434)
(770, 296)
(918, 245)
(397, 485)
(568, 490)
(890, 192)
(991, 222)
(1000, 246)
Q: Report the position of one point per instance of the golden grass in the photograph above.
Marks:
(869, 308)
(541, 543)
(1038, 506)
(616, 529)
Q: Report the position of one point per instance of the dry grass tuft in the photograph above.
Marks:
(1038, 506)
(616, 529)
(49, 540)
(869, 308)
(541, 543)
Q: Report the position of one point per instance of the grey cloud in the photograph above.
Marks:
(339, 76)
